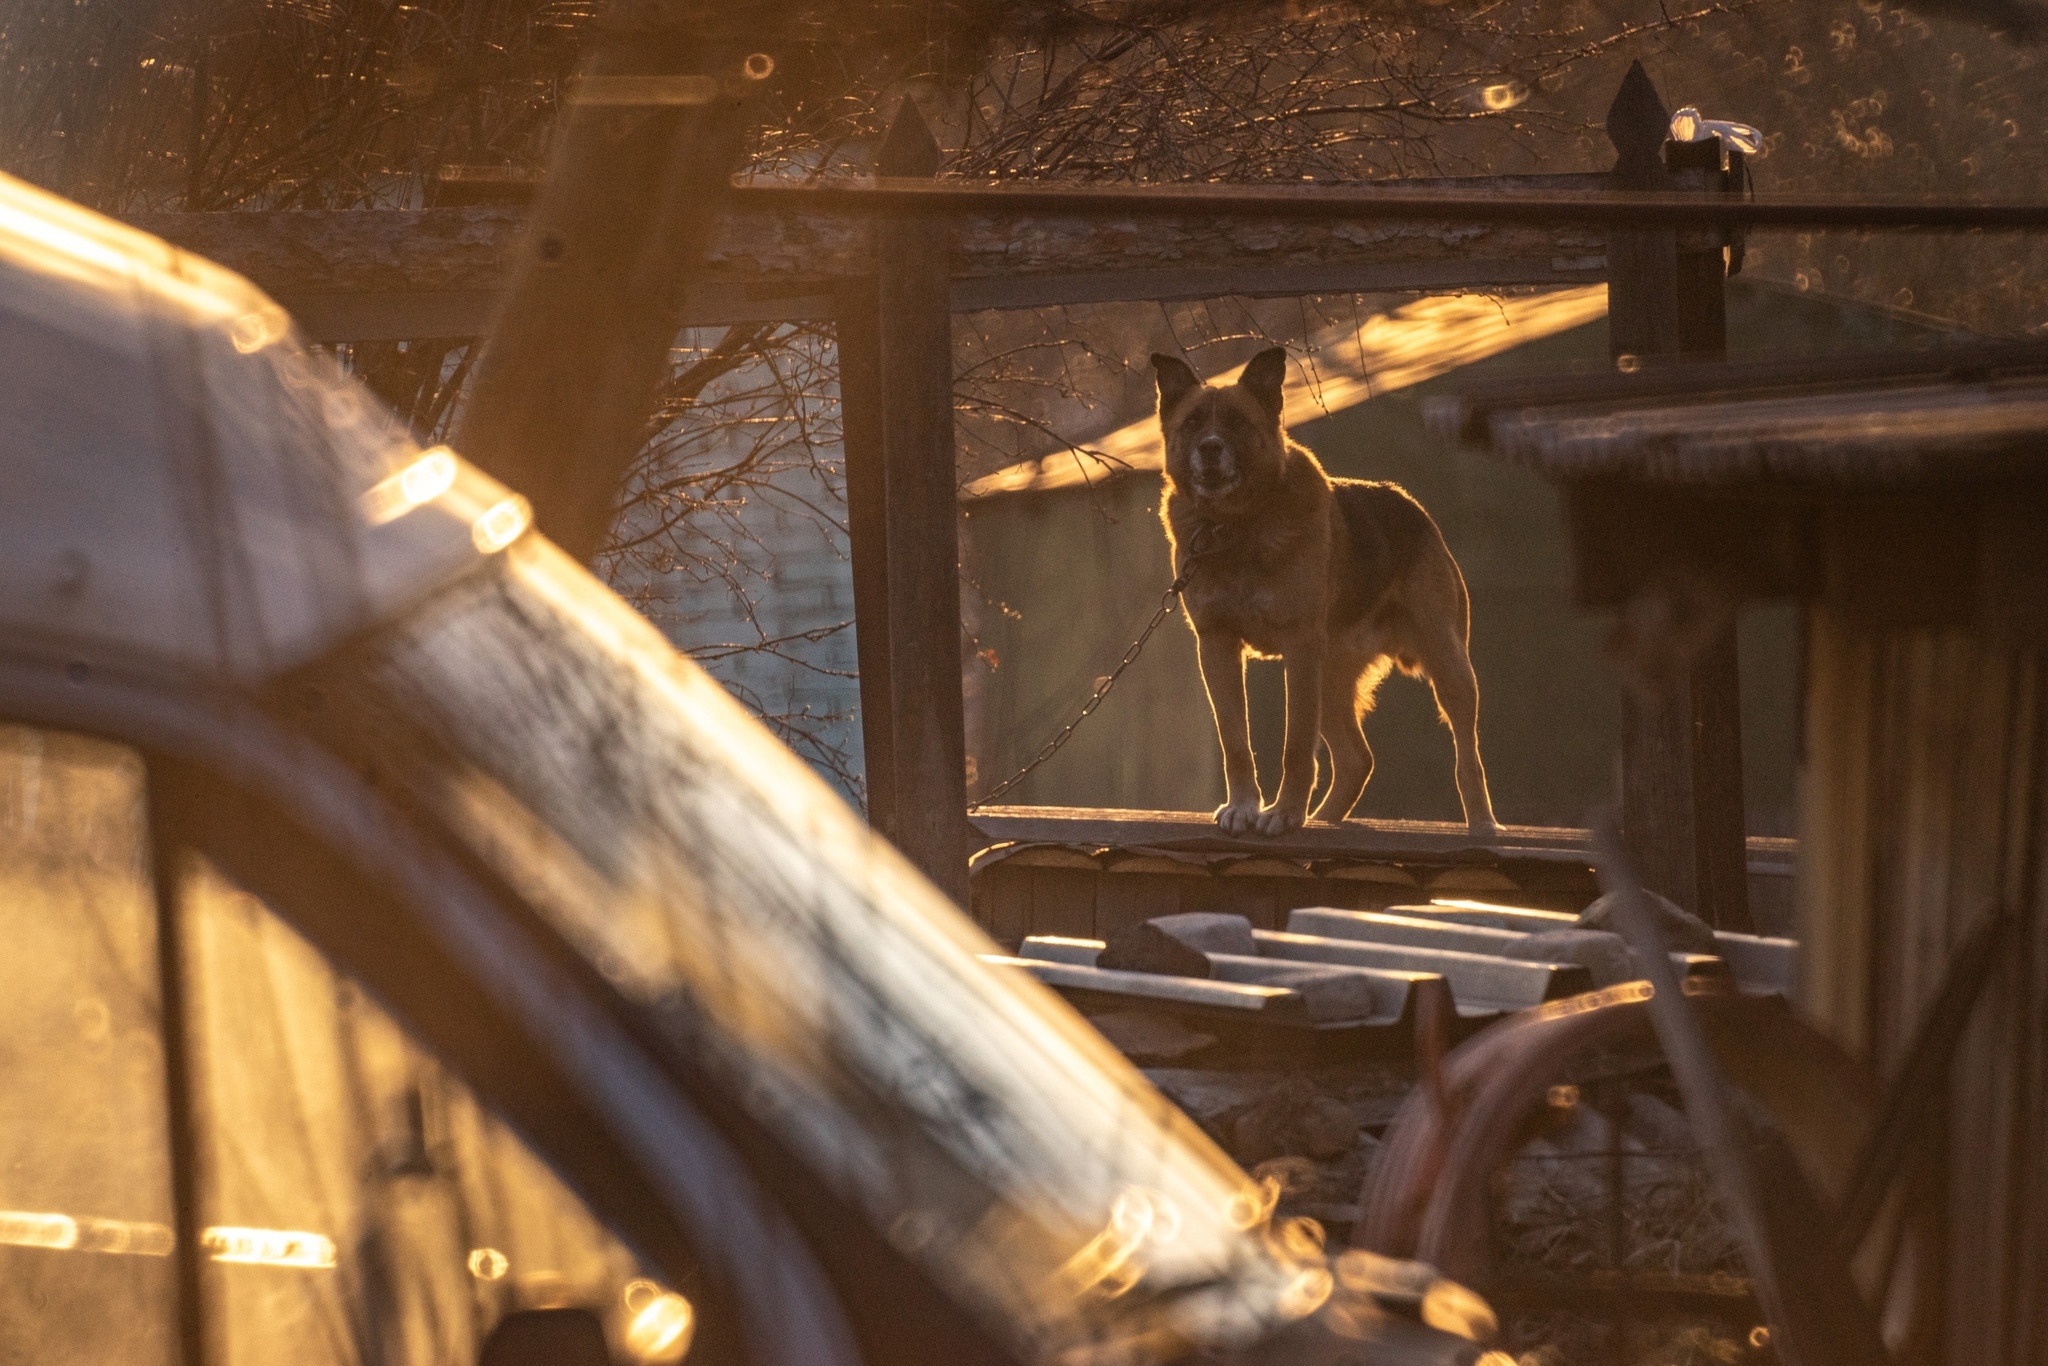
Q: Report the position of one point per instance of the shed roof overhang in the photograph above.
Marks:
(1901, 490)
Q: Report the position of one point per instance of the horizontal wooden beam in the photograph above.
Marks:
(1263, 281)
(391, 274)
(402, 315)
(1504, 200)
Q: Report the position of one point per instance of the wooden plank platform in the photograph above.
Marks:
(1195, 831)
(1086, 872)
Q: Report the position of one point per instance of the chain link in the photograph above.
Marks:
(1199, 547)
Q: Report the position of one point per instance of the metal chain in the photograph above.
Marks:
(1199, 547)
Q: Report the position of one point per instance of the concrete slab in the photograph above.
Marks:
(1481, 983)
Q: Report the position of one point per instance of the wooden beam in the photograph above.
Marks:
(344, 250)
(386, 274)
(402, 315)
(859, 337)
(1448, 842)
(927, 781)
(1361, 837)
(1256, 280)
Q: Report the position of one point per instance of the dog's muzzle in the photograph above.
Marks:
(1212, 469)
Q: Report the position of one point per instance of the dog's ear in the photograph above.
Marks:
(1176, 381)
(1263, 377)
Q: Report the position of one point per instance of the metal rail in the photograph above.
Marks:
(1615, 208)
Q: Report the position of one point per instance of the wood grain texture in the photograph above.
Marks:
(859, 340)
(558, 403)
(1924, 796)
(921, 511)
(798, 253)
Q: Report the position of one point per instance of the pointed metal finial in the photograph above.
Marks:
(909, 149)
(1637, 125)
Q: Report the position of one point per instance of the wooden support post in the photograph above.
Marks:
(867, 523)
(896, 392)
(1681, 751)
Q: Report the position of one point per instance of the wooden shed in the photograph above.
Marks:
(1901, 501)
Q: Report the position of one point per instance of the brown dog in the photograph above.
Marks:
(1341, 579)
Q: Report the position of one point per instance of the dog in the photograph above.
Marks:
(1340, 579)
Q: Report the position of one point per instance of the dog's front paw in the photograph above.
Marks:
(1238, 817)
(1485, 828)
(1278, 820)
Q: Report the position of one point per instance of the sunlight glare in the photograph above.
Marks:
(122, 1237)
(662, 1325)
(1111, 1262)
(422, 481)
(19, 1228)
(501, 524)
(258, 328)
(488, 1264)
(268, 1247)
(1503, 95)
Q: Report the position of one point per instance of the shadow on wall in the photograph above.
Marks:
(1067, 578)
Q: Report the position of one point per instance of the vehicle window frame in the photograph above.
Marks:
(324, 898)
(221, 773)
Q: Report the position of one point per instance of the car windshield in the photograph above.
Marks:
(722, 887)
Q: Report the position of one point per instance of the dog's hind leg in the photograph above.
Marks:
(1350, 755)
(1449, 666)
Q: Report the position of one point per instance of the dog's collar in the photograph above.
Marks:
(1207, 539)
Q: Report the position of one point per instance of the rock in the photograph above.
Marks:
(1205, 1094)
(1293, 1118)
(1145, 947)
(1210, 932)
(1600, 952)
(1143, 1036)
(1683, 931)
(1376, 1112)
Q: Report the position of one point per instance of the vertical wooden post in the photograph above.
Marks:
(867, 524)
(1700, 277)
(1642, 267)
(1681, 752)
(896, 392)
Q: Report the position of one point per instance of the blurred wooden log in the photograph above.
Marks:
(582, 333)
